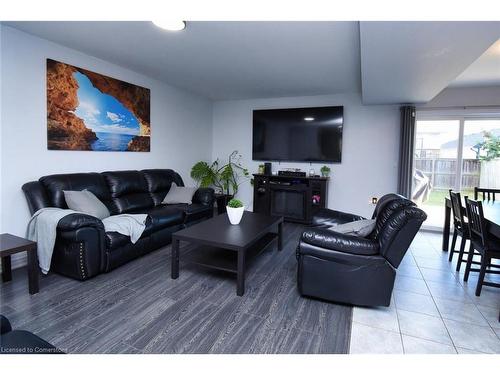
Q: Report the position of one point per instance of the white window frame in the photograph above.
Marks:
(460, 115)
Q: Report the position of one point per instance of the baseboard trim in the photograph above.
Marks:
(432, 230)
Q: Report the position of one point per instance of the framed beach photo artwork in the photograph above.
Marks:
(88, 111)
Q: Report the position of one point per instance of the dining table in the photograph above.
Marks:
(491, 210)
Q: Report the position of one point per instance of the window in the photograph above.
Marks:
(453, 152)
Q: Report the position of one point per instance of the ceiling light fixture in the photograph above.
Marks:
(308, 118)
(171, 25)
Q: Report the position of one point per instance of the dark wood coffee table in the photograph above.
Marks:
(228, 247)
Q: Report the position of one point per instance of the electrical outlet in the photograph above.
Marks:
(374, 200)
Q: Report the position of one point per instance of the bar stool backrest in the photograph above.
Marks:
(487, 193)
(458, 210)
(475, 216)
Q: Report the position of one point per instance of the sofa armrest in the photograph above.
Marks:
(80, 247)
(327, 218)
(77, 221)
(204, 196)
(330, 240)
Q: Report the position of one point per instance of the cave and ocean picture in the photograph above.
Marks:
(88, 111)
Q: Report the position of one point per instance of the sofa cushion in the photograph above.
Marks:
(129, 191)
(323, 238)
(194, 211)
(360, 228)
(115, 240)
(86, 202)
(93, 182)
(162, 217)
(159, 182)
(179, 194)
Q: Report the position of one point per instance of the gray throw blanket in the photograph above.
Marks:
(126, 224)
(42, 228)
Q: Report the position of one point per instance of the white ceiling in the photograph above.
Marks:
(411, 62)
(485, 71)
(390, 62)
(223, 60)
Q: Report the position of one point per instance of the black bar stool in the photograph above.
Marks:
(460, 228)
(486, 245)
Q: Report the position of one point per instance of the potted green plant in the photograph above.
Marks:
(235, 209)
(261, 168)
(325, 171)
(225, 178)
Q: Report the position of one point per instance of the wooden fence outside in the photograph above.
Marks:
(442, 172)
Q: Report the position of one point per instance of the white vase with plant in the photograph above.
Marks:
(235, 210)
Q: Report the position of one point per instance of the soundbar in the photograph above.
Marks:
(292, 174)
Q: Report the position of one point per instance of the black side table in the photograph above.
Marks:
(10, 244)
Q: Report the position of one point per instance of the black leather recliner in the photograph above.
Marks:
(356, 270)
(82, 248)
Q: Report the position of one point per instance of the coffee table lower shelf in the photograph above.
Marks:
(230, 260)
(223, 259)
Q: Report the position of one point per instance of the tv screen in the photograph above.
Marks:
(298, 134)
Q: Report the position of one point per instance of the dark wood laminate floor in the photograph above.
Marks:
(138, 308)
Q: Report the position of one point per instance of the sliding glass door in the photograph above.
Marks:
(453, 152)
(480, 155)
(436, 165)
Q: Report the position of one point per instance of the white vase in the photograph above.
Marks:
(235, 214)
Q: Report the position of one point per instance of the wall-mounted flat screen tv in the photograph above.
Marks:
(298, 134)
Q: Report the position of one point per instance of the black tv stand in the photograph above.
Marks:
(294, 198)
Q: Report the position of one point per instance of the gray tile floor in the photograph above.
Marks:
(432, 309)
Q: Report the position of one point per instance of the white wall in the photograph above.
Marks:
(180, 124)
(370, 146)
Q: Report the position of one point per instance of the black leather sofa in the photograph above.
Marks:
(356, 270)
(83, 249)
(22, 342)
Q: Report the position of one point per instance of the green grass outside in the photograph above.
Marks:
(436, 197)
